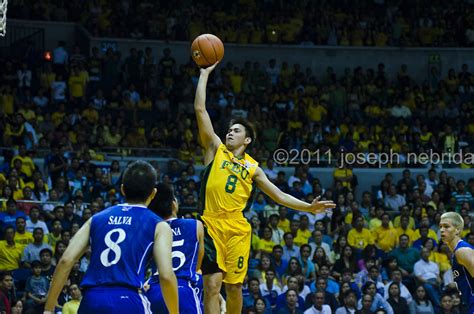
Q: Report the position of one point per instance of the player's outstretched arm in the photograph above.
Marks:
(76, 248)
(286, 199)
(209, 138)
(465, 257)
(162, 255)
(200, 237)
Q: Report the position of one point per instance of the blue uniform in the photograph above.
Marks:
(463, 279)
(121, 240)
(185, 255)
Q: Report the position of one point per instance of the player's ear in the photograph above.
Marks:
(175, 205)
(152, 195)
(122, 190)
(248, 140)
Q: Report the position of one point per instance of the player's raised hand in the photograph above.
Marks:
(318, 206)
(209, 69)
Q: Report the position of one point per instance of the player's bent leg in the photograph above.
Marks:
(234, 298)
(212, 289)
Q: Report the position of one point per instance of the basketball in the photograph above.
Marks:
(206, 50)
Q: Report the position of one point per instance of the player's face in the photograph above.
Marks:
(236, 136)
(447, 229)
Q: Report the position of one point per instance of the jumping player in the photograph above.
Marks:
(451, 226)
(122, 239)
(228, 185)
(188, 250)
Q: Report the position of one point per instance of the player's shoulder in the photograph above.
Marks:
(463, 245)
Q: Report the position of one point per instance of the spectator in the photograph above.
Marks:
(319, 304)
(47, 268)
(6, 292)
(10, 253)
(385, 236)
(396, 301)
(377, 300)
(289, 249)
(359, 237)
(393, 200)
(406, 256)
(71, 307)
(427, 273)
(37, 287)
(396, 277)
(12, 214)
(349, 305)
(421, 302)
(32, 251)
(291, 304)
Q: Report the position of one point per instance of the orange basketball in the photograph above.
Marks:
(206, 50)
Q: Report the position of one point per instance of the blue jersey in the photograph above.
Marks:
(185, 255)
(122, 243)
(463, 279)
(185, 249)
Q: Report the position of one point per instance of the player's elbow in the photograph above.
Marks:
(66, 262)
(167, 276)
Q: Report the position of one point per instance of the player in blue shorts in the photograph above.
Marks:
(188, 251)
(451, 226)
(122, 240)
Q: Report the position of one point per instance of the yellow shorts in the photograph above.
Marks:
(228, 244)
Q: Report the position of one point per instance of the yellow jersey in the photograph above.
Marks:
(227, 183)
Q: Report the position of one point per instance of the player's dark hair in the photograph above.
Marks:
(138, 180)
(162, 204)
(249, 128)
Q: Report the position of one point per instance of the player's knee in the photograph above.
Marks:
(212, 287)
(235, 288)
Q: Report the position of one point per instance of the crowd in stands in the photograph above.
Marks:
(379, 254)
(380, 251)
(344, 23)
(145, 100)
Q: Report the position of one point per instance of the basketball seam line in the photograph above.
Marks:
(202, 54)
(212, 45)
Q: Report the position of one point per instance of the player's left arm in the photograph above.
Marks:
(200, 237)
(264, 184)
(465, 257)
(76, 248)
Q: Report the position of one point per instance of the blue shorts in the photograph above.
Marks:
(114, 300)
(189, 300)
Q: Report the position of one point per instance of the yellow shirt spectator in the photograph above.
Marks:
(91, 115)
(76, 86)
(344, 175)
(27, 164)
(255, 241)
(284, 225)
(386, 238)
(23, 239)
(298, 241)
(431, 234)
(305, 234)
(409, 232)
(71, 307)
(360, 239)
(265, 245)
(316, 112)
(10, 256)
(440, 259)
(411, 222)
